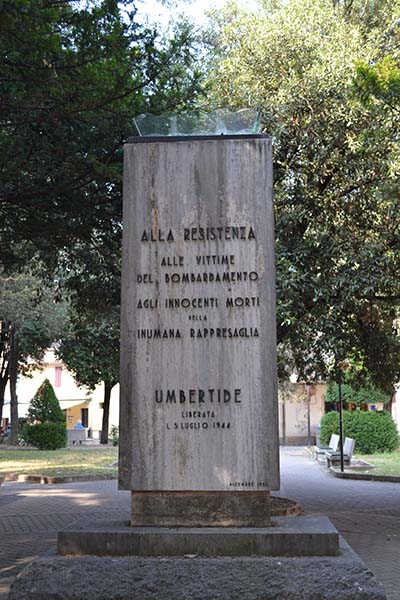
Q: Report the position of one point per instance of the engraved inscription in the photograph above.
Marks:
(175, 296)
(198, 396)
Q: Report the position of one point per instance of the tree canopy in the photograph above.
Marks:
(336, 181)
(30, 321)
(90, 349)
(362, 395)
(73, 77)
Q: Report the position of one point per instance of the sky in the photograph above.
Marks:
(195, 9)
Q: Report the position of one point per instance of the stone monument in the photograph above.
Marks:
(199, 426)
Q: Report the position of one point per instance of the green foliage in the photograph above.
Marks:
(44, 406)
(71, 85)
(46, 436)
(48, 432)
(28, 303)
(366, 394)
(330, 425)
(90, 347)
(114, 435)
(336, 173)
(369, 15)
(377, 80)
(381, 80)
(373, 431)
(30, 320)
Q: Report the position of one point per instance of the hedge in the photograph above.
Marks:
(46, 436)
(48, 431)
(372, 431)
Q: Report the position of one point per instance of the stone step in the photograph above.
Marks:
(288, 536)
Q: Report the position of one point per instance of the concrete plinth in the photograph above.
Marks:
(289, 536)
(201, 509)
(137, 578)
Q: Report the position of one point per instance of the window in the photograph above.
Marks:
(57, 376)
(85, 417)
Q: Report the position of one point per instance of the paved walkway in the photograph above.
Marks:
(366, 513)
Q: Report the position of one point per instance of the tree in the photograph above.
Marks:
(73, 77)
(44, 406)
(355, 395)
(90, 344)
(48, 431)
(336, 192)
(377, 81)
(90, 349)
(30, 320)
(72, 83)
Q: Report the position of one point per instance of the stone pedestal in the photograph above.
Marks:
(342, 577)
(201, 509)
(289, 536)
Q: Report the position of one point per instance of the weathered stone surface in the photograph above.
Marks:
(201, 509)
(198, 402)
(289, 536)
(284, 507)
(343, 577)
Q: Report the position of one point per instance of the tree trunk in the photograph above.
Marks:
(14, 348)
(108, 385)
(308, 396)
(3, 384)
(4, 361)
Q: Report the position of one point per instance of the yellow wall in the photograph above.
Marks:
(73, 414)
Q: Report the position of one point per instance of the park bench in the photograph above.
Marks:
(348, 449)
(333, 446)
(75, 437)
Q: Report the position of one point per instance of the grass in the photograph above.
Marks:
(94, 461)
(387, 463)
(59, 463)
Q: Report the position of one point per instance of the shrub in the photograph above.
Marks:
(44, 406)
(48, 432)
(330, 424)
(373, 431)
(46, 436)
(114, 435)
(376, 431)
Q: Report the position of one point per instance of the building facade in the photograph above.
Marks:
(78, 402)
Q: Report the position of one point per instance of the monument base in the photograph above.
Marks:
(137, 578)
(289, 536)
(201, 509)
